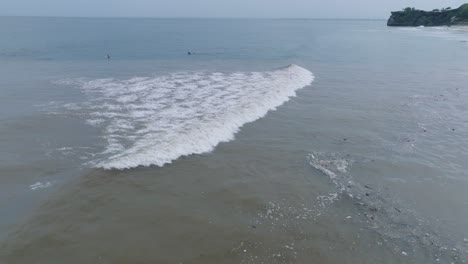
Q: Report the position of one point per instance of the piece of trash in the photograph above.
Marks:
(404, 253)
(348, 217)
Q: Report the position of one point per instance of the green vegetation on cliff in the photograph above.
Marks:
(412, 17)
(463, 13)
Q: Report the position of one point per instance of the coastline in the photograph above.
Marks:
(460, 27)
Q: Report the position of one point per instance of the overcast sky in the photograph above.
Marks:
(217, 8)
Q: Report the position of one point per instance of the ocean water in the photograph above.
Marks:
(276, 141)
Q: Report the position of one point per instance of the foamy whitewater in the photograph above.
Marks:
(153, 121)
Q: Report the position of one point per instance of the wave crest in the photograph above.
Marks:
(153, 121)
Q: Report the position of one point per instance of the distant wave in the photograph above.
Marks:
(449, 33)
(153, 121)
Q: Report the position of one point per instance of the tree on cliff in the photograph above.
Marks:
(409, 9)
(463, 13)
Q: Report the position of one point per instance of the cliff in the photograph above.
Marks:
(414, 18)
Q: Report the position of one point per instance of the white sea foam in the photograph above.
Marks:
(153, 121)
(329, 164)
(335, 167)
(39, 185)
(450, 33)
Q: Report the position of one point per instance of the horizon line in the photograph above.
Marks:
(187, 17)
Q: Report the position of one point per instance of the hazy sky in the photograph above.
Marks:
(217, 8)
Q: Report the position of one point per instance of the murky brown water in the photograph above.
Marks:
(365, 165)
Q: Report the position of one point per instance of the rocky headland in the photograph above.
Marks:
(411, 17)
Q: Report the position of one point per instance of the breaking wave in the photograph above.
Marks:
(155, 120)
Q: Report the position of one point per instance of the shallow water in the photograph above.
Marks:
(355, 154)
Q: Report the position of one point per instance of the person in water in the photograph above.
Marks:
(189, 53)
(108, 57)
